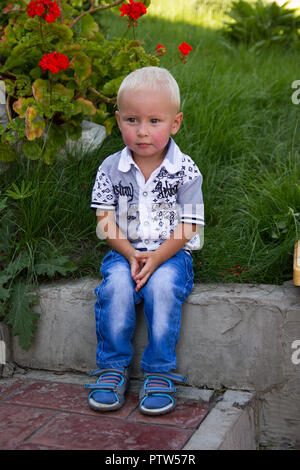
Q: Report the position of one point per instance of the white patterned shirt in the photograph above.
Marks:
(147, 212)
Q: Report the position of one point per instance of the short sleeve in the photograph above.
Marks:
(102, 195)
(190, 200)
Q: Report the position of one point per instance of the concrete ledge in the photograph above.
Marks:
(239, 336)
(230, 425)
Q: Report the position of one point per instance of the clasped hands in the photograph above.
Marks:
(143, 264)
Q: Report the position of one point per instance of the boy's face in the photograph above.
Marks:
(146, 120)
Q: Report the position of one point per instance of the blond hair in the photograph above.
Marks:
(152, 78)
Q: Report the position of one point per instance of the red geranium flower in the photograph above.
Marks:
(48, 9)
(160, 49)
(185, 49)
(134, 10)
(54, 62)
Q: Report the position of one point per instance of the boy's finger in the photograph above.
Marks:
(141, 255)
(141, 274)
(141, 280)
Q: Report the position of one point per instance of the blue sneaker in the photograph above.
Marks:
(158, 394)
(108, 392)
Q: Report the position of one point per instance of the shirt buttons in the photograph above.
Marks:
(145, 193)
(146, 223)
(147, 241)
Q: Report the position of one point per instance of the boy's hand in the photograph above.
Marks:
(147, 261)
(136, 265)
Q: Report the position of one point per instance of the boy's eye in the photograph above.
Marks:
(154, 121)
(131, 119)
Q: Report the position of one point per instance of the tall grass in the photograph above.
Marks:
(241, 128)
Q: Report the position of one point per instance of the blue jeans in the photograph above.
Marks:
(163, 296)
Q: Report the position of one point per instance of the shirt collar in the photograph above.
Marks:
(172, 161)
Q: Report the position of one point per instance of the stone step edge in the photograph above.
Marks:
(230, 425)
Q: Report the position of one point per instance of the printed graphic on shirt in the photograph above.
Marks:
(102, 189)
(120, 190)
(166, 185)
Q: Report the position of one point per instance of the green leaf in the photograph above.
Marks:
(71, 49)
(17, 265)
(36, 73)
(88, 26)
(111, 88)
(40, 91)
(59, 31)
(23, 192)
(82, 67)
(7, 154)
(53, 263)
(21, 317)
(56, 137)
(73, 129)
(13, 62)
(32, 150)
(60, 92)
(34, 123)
(100, 116)
(49, 155)
(21, 49)
(20, 106)
(109, 124)
(83, 106)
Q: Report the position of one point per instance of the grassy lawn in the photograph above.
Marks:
(241, 128)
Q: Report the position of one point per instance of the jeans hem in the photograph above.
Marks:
(106, 365)
(158, 369)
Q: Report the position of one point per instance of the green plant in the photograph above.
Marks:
(262, 23)
(21, 263)
(26, 255)
(59, 70)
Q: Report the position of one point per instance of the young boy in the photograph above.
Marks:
(149, 209)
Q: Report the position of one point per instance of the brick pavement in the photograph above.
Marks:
(50, 415)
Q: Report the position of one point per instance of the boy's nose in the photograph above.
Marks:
(143, 130)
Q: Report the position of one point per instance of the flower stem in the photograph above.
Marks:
(61, 11)
(91, 10)
(8, 109)
(103, 97)
(50, 88)
(42, 36)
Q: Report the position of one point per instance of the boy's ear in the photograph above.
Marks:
(117, 114)
(177, 123)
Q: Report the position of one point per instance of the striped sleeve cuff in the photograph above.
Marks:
(103, 206)
(192, 219)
